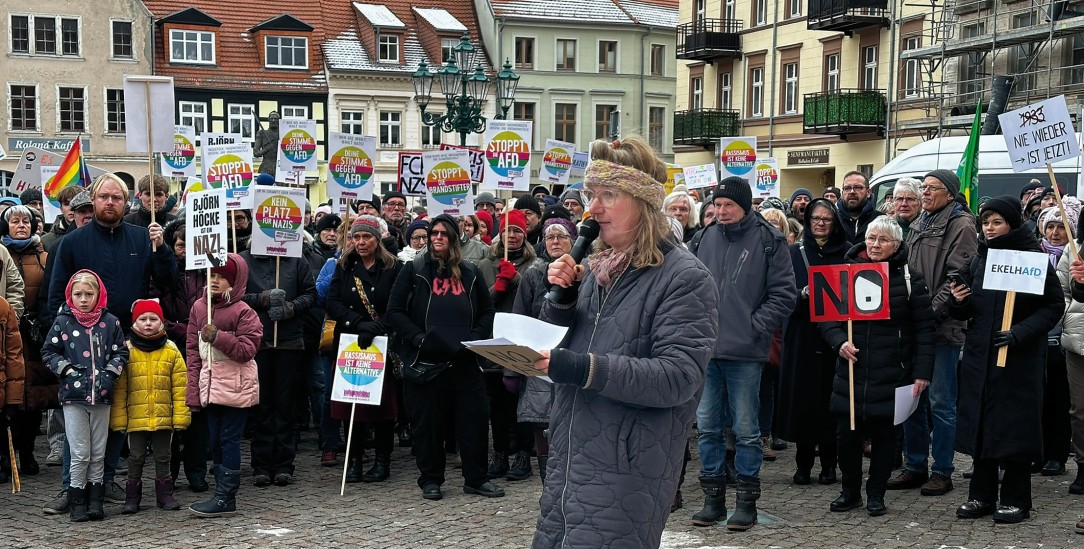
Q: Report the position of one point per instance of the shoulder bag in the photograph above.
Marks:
(394, 361)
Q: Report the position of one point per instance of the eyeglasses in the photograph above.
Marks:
(678, 209)
(396, 205)
(931, 188)
(557, 237)
(419, 238)
(820, 220)
(854, 188)
(442, 234)
(879, 240)
(905, 199)
(608, 197)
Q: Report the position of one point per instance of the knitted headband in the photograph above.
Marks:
(625, 178)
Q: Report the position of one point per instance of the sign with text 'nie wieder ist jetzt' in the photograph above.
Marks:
(1039, 134)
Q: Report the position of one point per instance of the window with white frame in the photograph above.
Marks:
(69, 36)
(696, 93)
(656, 127)
(287, 52)
(756, 79)
(794, 8)
(731, 9)
(71, 109)
(431, 135)
(122, 40)
(45, 35)
(607, 56)
(566, 55)
(388, 48)
(114, 110)
(352, 122)
(762, 12)
(525, 111)
(910, 72)
(726, 92)
(790, 88)
(391, 129)
(447, 48)
(869, 68)
(23, 107)
(188, 46)
(290, 111)
(242, 119)
(192, 113)
(700, 11)
(831, 72)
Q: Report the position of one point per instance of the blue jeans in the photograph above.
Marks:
(732, 387)
(331, 429)
(317, 380)
(113, 447)
(940, 400)
(226, 425)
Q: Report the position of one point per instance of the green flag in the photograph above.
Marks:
(968, 171)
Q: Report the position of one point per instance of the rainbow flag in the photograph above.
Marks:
(73, 171)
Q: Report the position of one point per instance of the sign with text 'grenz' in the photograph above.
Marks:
(1039, 134)
(848, 292)
(1011, 270)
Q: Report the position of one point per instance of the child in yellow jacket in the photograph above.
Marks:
(148, 404)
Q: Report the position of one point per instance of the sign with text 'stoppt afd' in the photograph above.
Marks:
(767, 181)
(1012, 270)
(507, 155)
(848, 292)
(1039, 134)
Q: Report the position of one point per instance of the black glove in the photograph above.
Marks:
(1004, 339)
(365, 339)
(569, 367)
(277, 296)
(264, 299)
(10, 410)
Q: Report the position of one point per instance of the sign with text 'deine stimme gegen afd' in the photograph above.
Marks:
(1016, 271)
(1039, 134)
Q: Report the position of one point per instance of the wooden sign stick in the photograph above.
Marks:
(275, 333)
(349, 437)
(1061, 209)
(150, 160)
(16, 484)
(1006, 323)
(850, 369)
(209, 297)
(507, 211)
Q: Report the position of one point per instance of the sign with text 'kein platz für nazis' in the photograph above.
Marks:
(1039, 134)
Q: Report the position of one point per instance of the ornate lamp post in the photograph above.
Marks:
(464, 91)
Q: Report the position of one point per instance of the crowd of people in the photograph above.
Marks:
(690, 315)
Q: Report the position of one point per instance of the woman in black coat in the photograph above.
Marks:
(887, 354)
(365, 267)
(805, 372)
(999, 410)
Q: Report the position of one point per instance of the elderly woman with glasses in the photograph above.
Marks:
(629, 376)
(887, 354)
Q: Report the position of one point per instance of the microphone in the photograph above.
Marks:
(586, 232)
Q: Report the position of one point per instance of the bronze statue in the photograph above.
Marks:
(267, 144)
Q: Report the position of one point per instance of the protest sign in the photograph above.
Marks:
(297, 149)
(229, 167)
(205, 232)
(1014, 271)
(737, 157)
(148, 113)
(278, 218)
(767, 180)
(518, 358)
(696, 177)
(508, 155)
(359, 373)
(191, 185)
(208, 138)
(350, 166)
(28, 172)
(50, 204)
(579, 163)
(447, 182)
(477, 161)
(411, 176)
(557, 162)
(848, 292)
(181, 161)
(1039, 134)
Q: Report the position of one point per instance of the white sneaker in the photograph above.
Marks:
(54, 459)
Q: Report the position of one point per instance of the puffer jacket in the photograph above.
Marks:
(945, 246)
(535, 395)
(1072, 335)
(616, 446)
(12, 370)
(11, 281)
(149, 396)
(228, 358)
(41, 385)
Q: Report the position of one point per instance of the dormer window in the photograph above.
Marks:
(189, 46)
(389, 48)
(287, 52)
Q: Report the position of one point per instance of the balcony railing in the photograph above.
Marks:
(846, 15)
(704, 126)
(844, 112)
(707, 39)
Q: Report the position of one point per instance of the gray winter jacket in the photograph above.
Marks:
(616, 446)
(535, 395)
(756, 289)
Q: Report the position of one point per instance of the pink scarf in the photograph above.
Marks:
(88, 319)
(608, 265)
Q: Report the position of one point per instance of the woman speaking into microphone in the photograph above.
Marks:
(631, 370)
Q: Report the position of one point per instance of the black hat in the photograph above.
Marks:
(1030, 187)
(374, 202)
(1007, 206)
(328, 221)
(540, 189)
(393, 194)
(33, 194)
(949, 179)
(448, 220)
(529, 203)
(555, 210)
(736, 189)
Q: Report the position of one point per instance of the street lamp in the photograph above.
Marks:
(464, 91)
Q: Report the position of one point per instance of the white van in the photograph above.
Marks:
(996, 176)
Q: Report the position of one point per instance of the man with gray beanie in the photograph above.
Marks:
(942, 242)
(748, 260)
(799, 199)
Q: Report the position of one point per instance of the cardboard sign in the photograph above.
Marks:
(518, 358)
(359, 373)
(297, 148)
(557, 162)
(737, 157)
(181, 161)
(28, 172)
(696, 177)
(508, 155)
(767, 181)
(447, 182)
(579, 163)
(477, 160)
(205, 232)
(848, 292)
(350, 166)
(208, 138)
(278, 218)
(411, 176)
(1039, 134)
(1011, 270)
(229, 167)
(148, 100)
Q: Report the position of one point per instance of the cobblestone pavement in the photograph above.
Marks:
(310, 513)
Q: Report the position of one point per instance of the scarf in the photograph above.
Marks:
(20, 244)
(515, 255)
(608, 266)
(88, 319)
(149, 344)
(1053, 251)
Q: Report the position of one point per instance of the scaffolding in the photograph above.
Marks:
(971, 46)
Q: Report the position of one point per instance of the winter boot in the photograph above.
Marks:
(133, 495)
(498, 465)
(77, 504)
(542, 461)
(1077, 487)
(714, 501)
(380, 470)
(745, 510)
(224, 501)
(521, 467)
(95, 500)
(163, 494)
(197, 481)
(353, 472)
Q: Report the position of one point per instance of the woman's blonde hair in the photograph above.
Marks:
(632, 151)
(772, 214)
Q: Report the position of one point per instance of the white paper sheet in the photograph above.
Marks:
(905, 404)
(527, 331)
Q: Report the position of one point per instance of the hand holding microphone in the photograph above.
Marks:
(566, 271)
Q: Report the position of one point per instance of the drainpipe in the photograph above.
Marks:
(775, 80)
(892, 68)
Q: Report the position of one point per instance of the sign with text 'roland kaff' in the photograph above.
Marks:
(1039, 134)
(1012, 270)
(848, 292)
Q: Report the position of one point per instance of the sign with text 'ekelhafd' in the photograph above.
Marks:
(1039, 134)
(1016, 271)
(205, 232)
